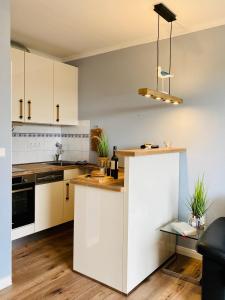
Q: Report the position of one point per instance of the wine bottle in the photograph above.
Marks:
(114, 164)
(108, 170)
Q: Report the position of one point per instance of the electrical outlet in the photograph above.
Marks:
(2, 152)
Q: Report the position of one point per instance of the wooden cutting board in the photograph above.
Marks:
(101, 180)
(94, 142)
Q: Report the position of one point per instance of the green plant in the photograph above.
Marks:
(198, 202)
(103, 145)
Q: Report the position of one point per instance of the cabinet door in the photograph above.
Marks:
(17, 65)
(38, 89)
(68, 209)
(48, 205)
(99, 235)
(65, 94)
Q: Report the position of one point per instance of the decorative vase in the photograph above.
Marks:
(102, 161)
(197, 222)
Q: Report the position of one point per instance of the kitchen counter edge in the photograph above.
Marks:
(35, 168)
(116, 186)
(144, 152)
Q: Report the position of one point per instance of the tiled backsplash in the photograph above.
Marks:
(36, 143)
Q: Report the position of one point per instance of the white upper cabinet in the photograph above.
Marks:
(43, 91)
(65, 94)
(38, 89)
(17, 65)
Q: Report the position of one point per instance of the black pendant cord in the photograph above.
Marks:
(157, 77)
(170, 57)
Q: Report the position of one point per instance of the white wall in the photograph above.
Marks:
(5, 142)
(108, 85)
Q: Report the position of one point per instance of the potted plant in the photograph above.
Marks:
(198, 204)
(102, 149)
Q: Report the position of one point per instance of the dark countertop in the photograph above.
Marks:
(34, 168)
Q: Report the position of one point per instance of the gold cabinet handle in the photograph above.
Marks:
(67, 191)
(21, 108)
(57, 113)
(29, 110)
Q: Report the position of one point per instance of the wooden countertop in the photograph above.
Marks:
(107, 183)
(142, 152)
(27, 169)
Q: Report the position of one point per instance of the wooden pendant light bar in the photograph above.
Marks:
(169, 16)
(159, 96)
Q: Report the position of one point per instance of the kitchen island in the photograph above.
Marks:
(117, 240)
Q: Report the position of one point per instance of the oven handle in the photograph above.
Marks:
(22, 190)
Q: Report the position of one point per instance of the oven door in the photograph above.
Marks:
(22, 204)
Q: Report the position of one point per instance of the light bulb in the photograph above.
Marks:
(158, 98)
(167, 100)
(175, 103)
(147, 96)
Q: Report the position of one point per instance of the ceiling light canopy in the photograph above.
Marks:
(163, 96)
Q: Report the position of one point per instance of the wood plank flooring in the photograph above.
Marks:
(42, 269)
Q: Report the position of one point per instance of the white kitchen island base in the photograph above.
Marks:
(117, 240)
(98, 235)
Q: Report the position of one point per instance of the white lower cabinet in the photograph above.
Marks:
(68, 194)
(54, 202)
(48, 205)
(98, 235)
(54, 205)
(68, 201)
(22, 231)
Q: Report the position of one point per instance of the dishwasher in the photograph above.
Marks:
(48, 200)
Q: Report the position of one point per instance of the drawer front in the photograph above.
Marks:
(48, 205)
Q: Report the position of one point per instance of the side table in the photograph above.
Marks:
(169, 229)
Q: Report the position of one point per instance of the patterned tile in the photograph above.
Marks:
(46, 135)
(34, 143)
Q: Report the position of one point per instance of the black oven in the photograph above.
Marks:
(23, 196)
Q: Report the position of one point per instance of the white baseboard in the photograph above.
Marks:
(188, 252)
(22, 231)
(5, 282)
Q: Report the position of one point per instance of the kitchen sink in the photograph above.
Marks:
(61, 163)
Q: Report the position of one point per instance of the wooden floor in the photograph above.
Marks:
(42, 269)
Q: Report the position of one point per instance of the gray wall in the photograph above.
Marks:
(5, 141)
(108, 86)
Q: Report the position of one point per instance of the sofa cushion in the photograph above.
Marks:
(212, 242)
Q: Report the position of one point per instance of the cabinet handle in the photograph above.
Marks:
(29, 110)
(67, 191)
(57, 113)
(21, 108)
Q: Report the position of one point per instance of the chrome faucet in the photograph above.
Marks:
(59, 151)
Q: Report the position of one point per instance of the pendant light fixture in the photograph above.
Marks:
(163, 96)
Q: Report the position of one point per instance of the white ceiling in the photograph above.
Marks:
(77, 28)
